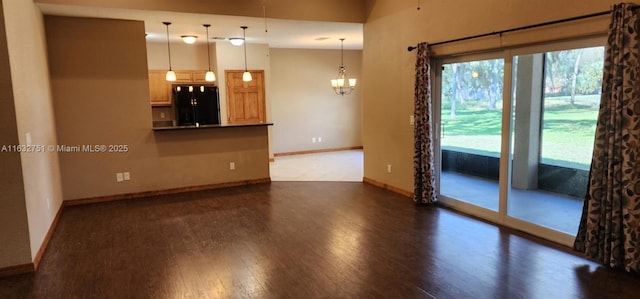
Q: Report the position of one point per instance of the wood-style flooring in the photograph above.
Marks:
(301, 240)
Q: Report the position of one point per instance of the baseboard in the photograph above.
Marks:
(388, 187)
(32, 267)
(17, 270)
(47, 238)
(84, 201)
(318, 151)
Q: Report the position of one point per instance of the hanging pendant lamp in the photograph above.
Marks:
(246, 76)
(171, 75)
(341, 85)
(209, 76)
(189, 39)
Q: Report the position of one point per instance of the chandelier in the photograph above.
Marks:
(341, 85)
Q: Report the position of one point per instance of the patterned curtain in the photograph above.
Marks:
(423, 161)
(610, 226)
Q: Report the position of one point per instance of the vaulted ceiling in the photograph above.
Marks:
(319, 24)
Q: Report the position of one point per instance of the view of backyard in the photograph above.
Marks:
(546, 105)
(568, 131)
(472, 106)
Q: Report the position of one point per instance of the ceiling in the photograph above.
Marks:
(279, 33)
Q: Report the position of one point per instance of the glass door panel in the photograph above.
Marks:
(470, 131)
(555, 105)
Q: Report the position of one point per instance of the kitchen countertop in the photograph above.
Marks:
(173, 128)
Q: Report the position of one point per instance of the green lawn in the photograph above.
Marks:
(567, 135)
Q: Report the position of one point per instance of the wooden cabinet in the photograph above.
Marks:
(198, 76)
(184, 76)
(159, 88)
(160, 93)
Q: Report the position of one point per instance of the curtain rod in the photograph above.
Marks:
(411, 48)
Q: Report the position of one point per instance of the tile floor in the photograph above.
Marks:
(340, 166)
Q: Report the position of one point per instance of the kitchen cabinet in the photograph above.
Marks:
(159, 88)
(198, 77)
(160, 93)
(184, 76)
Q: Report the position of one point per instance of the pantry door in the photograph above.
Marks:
(245, 100)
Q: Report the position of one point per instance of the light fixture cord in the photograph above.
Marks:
(244, 35)
(264, 15)
(168, 46)
(208, 50)
(266, 30)
(342, 52)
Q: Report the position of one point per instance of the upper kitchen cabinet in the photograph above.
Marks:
(160, 89)
(191, 76)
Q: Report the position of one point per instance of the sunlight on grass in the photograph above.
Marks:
(567, 131)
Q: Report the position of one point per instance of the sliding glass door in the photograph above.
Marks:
(555, 103)
(516, 133)
(470, 132)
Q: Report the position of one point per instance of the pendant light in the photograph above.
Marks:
(236, 41)
(209, 76)
(341, 85)
(246, 76)
(189, 39)
(171, 75)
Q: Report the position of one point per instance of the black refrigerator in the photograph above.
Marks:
(196, 105)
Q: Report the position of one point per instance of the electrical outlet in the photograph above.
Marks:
(232, 166)
(388, 168)
(162, 115)
(412, 120)
(126, 176)
(319, 139)
(313, 140)
(119, 177)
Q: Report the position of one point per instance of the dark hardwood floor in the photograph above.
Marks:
(301, 240)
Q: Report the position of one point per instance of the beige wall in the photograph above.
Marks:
(100, 90)
(183, 56)
(392, 26)
(318, 10)
(229, 57)
(304, 105)
(14, 230)
(34, 112)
